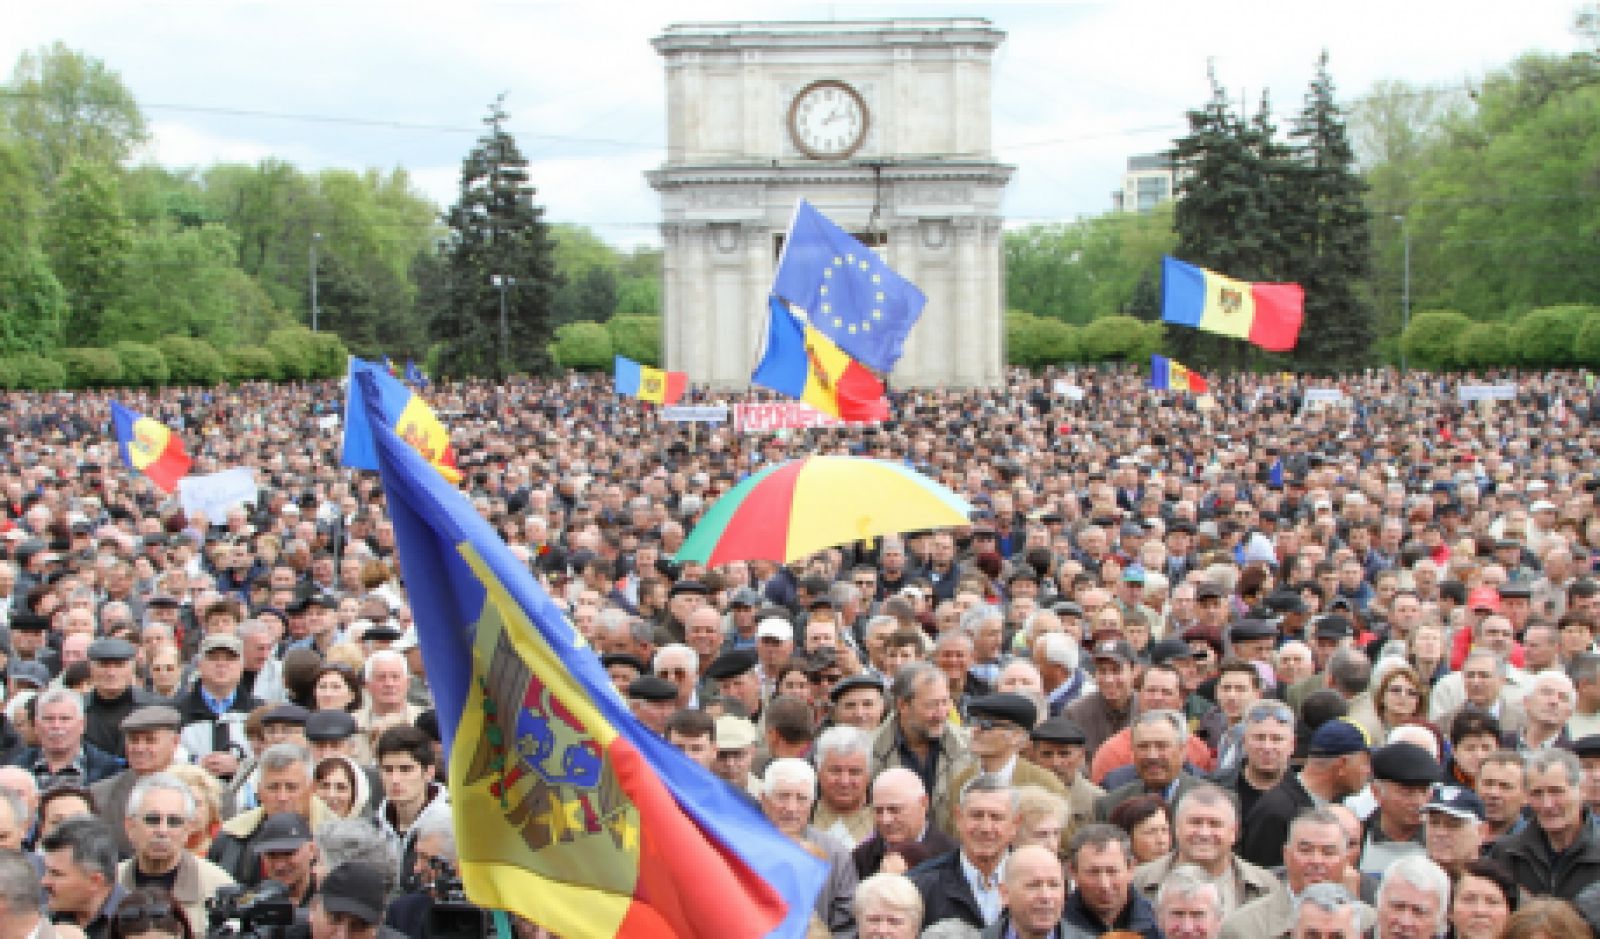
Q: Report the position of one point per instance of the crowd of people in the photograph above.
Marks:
(1253, 664)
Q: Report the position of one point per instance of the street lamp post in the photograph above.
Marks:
(1405, 287)
(504, 282)
(316, 239)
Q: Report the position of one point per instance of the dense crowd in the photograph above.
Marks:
(1252, 664)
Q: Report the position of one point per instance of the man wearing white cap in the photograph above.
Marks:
(774, 645)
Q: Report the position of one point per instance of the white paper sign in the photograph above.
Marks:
(698, 414)
(215, 494)
(1505, 392)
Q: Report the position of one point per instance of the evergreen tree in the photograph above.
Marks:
(1333, 256)
(497, 233)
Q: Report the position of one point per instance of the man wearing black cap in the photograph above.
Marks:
(287, 854)
(1108, 709)
(1404, 775)
(1000, 727)
(29, 642)
(350, 903)
(1058, 746)
(738, 679)
(653, 701)
(1337, 766)
(112, 696)
(1454, 827)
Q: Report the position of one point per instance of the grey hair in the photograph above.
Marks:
(958, 634)
(1059, 649)
(1333, 898)
(1099, 835)
(1585, 667)
(385, 655)
(1207, 794)
(895, 891)
(1187, 880)
(951, 929)
(20, 889)
(1349, 671)
(1493, 656)
(788, 770)
(984, 783)
(437, 819)
(59, 696)
(1550, 758)
(910, 677)
(156, 781)
(1321, 816)
(843, 593)
(843, 740)
(250, 627)
(91, 841)
(678, 648)
(1171, 718)
(974, 618)
(281, 756)
(1562, 683)
(356, 839)
(1423, 874)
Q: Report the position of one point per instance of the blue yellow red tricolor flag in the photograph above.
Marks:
(802, 363)
(568, 811)
(649, 384)
(404, 410)
(1171, 375)
(150, 447)
(1267, 315)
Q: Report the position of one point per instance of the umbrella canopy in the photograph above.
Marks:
(796, 509)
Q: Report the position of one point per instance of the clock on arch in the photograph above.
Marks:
(828, 120)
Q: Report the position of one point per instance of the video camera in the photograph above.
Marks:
(263, 911)
(452, 915)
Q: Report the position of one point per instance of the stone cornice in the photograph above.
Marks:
(672, 177)
(930, 32)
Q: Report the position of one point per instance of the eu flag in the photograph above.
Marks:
(567, 810)
(847, 292)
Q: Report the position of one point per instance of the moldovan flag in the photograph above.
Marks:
(1171, 375)
(404, 410)
(1268, 315)
(649, 384)
(150, 447)
(567, 809)
(803, 363)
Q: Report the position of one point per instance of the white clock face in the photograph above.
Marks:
(828, 120)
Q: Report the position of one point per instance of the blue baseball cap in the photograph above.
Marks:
(1338, 737)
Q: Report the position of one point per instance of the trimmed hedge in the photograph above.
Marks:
(90, 367)
(142, 364)
(583, 346)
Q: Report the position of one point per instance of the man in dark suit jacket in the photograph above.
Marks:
(985, 825)
(900, 826)
(1158, 744)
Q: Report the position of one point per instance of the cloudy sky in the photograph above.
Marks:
(1078, 86)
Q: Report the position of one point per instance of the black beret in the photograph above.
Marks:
(1060, 730)
(1405, 763)
(732, 664)
(29, 622)
(1166, 650)
(652, 688)
(1515, 589)
(1253, 629)
(326, 726)
(1286, 601)
(1006, 707)
(853, 682)
(622, 658)
(287, 714)
(689, 586)
(1333, 626)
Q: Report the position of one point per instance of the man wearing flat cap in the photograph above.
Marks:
(1058, 746)
(738, 679)
(112, 695)
(151, 734)
(1403, 775)
(1000, 726)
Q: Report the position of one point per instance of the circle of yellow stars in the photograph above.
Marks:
(877, 298)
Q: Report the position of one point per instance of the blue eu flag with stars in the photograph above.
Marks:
(849, 294)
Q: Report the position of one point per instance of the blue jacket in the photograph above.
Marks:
(97, 763)
(1138, 916)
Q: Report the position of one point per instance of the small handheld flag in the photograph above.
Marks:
(649, 384)
(404, 410)
(847, 292)
(1267, 315)
(1171, 375)
(415, 375)
(568, 810)
(150, 447)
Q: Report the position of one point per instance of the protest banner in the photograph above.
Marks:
(695, 414)
(786, 416)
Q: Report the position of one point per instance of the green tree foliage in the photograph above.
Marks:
(1587, 348)
(292, 347)
(185, 281)
(87, 236)
(33, 304)
(142, 364)
(70, 108)
(253, 363)
(1088, 268)
(496, 231)
(90, 367)
(636, 337)
(1483, 345)
(1332, 254)
(1118, 338)
(583, 346)
(192, 361)
(33, 372)
(1548, 337)
(1430, 341)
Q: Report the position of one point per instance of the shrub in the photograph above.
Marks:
(9, 376)
(292, 347)
(192, 361)
(34, 372)
(1430, 341)
(1115, 338)
(583, 346)
(142, 364)
(252, 363)
(90, 367)
(1484, 345)
(329, 357)
(1587, 347)
(1548, 337)
(1022, 339)
(637, 337)
(1056, 341)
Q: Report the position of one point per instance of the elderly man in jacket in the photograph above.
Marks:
(161, 814)
(1558, 851)
(965, 883)
(1206, 826)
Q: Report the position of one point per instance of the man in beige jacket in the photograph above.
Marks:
(161, 813)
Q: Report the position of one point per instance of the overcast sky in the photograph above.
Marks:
(1077, 86)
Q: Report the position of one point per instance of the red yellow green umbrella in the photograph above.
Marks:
(795, 509)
